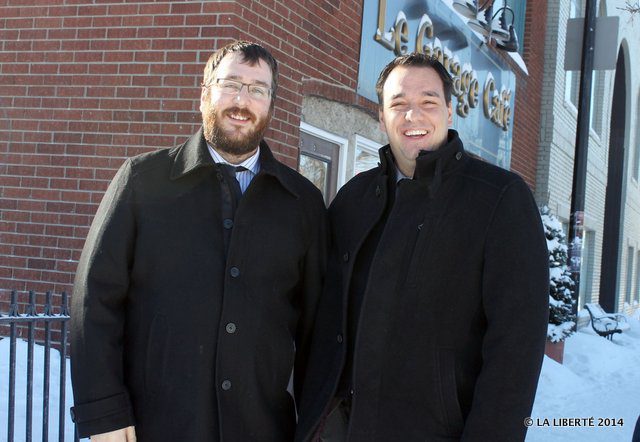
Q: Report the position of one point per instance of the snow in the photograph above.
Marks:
(599, 379)
(21, 392)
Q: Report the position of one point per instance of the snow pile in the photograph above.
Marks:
(600, 380)
(21, 392)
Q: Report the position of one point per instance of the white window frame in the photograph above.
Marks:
(365, 144)
(340, 141)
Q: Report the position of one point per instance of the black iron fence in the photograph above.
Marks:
(25, 324)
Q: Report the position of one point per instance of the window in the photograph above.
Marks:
(586, 269)
(572, 79)
(638, 277)
(636, 153)
(597, 90)
(365, 156)
(320, 154)
(630, 255)
(520, 11)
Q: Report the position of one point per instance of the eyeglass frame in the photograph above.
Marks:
(217, 83)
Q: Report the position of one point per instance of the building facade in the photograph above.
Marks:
(85, 84)
(610, 272)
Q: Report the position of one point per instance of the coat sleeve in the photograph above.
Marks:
(515, 300)
(98, 314)
(311, 288)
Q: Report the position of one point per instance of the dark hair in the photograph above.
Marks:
(416, 59)
(252, 53)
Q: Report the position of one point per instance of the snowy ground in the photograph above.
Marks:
(21, 393)
(599, 380)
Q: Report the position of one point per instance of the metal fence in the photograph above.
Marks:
(26, 323)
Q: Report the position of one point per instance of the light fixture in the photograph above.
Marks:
(503, 34)
(482, 23)
(466, 8)
(510, 43)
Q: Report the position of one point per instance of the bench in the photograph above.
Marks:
(606, 324)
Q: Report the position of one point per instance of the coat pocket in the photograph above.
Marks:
(449, 404)
(156, 355)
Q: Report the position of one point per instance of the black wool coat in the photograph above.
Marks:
(453, 321)
(174, 337)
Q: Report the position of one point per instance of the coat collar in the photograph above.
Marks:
(194, 154)
(430, 165)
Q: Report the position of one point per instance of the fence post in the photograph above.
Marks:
(18, 324)
(13, 313)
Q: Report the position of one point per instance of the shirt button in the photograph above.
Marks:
(226, 385)
(227, 223)
(231, 327)
(345, 257)
(339, 338)
(235, 272)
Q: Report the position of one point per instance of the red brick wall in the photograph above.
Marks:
(86, 83)
(526, 118)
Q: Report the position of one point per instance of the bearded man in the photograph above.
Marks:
(196, 290)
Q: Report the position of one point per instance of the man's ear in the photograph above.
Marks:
(381, 120)
(204, 97)
(450, 112)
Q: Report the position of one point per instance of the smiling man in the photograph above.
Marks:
(196, 291)
(433, 321)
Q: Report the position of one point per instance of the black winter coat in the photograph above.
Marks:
(453, 322)
(173, 337)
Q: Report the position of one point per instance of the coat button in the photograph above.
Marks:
(378, 191)
(226, 385)
(458, 155)
(345, 257)
(339, 338)
(231, 327)
(227, 223)
(235, 272)
(219, 176)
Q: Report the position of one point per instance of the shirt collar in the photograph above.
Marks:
(400, 175)
(192, 155)
(252, 164)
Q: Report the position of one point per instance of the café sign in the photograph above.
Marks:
(481, 93)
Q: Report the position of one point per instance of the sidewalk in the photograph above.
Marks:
(598, 379)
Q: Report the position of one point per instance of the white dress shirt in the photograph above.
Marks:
(251, 164)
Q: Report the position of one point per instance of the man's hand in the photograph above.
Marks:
(123, 435)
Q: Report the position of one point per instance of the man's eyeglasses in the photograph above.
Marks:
(234, 87)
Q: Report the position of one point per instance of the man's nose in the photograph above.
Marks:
(412, 114)
(242, 94)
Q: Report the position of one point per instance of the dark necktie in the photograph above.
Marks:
(230, 171)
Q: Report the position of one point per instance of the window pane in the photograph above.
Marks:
(572, 82)
(638, 278)
(636, 153)
(365, 160)
(315, 170)
(630, 256)
(519, 8)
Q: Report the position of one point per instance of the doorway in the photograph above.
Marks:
(611, 238)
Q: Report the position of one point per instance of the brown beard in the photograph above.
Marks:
(216, 136)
